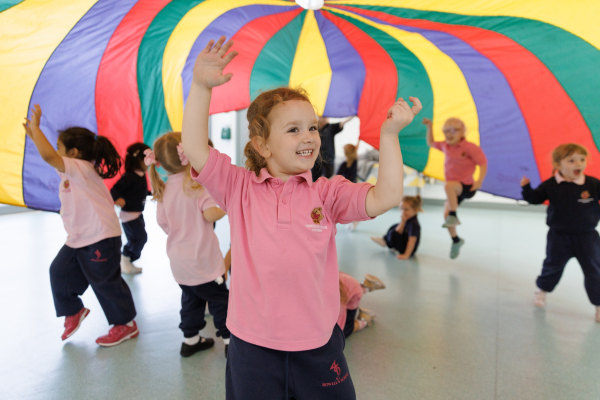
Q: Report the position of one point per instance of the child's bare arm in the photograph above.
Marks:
(482, 173)
(429, 135)
(213, 214)
(32, 129)
(208, 73)
(388, 190)
(410, 246)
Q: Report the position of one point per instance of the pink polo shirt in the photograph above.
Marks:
(192, 246)
(284, 291)
(353, 291)
(460, 160)
(86, 206)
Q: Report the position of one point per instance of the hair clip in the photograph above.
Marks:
(182, 157)
(149, 157)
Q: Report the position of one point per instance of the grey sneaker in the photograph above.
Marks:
(450, 221)
(455, 248)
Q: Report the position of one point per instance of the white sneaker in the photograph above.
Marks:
(127, 266)
(540, 299)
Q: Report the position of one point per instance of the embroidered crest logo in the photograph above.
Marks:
(317, 215)
(335, 368)
(98, 257)
(585, 194)
(339, 378)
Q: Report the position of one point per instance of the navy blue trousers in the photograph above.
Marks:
(193, 305)
(135, 232)
(560, 248)
(349, 326)
(98, 266)
(396, 240)
(255, 372)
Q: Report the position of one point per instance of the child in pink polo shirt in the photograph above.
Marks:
(461, 157)
(284, 295)
(186, 213)
(91, 255)
(352, 318)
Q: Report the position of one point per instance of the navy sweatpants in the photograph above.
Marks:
(98, 266)
(193, 305)
(560, 248)
(395, 240)
(349, 326)
(255, 372)
(135, 231)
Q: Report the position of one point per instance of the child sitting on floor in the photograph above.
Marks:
(353, 318)
(404, 237)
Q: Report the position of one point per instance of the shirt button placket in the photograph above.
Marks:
(284, 216)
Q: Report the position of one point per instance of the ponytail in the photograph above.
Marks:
(94, 148)
(158, 185)
(107, 160)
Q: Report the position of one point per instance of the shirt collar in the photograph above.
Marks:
(559, 178)
(264, 175)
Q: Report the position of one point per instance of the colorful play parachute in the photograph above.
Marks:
(523, 75)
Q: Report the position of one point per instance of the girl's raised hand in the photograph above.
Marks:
(400, 115)
(210, 63)
(36, 116)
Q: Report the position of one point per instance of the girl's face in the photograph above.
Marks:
(60, 149)
(63, 152)
(571, 167)
(454, 131)
(407, 211)
(294, 142)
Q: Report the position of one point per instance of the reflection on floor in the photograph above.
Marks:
(445, 329)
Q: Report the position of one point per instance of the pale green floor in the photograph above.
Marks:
(462, 329)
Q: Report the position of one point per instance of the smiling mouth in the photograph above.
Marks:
(305, 153)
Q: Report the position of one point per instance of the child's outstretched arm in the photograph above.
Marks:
(530, 195)
(482, 173)
(410, 246)
(208, 73)
(32, 129)
(389, 188)
(213, 214)
(429, 135)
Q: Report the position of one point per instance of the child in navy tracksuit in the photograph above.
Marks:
(573, 214)
(130, 193)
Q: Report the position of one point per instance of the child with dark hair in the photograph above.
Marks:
(90, 256)
(130, 193)
(573, 214)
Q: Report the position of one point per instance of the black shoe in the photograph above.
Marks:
(226, 350)
(188, 350)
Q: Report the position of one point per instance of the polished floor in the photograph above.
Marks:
(445, 329)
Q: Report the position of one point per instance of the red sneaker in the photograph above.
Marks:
(118, 334)
(72, 322)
